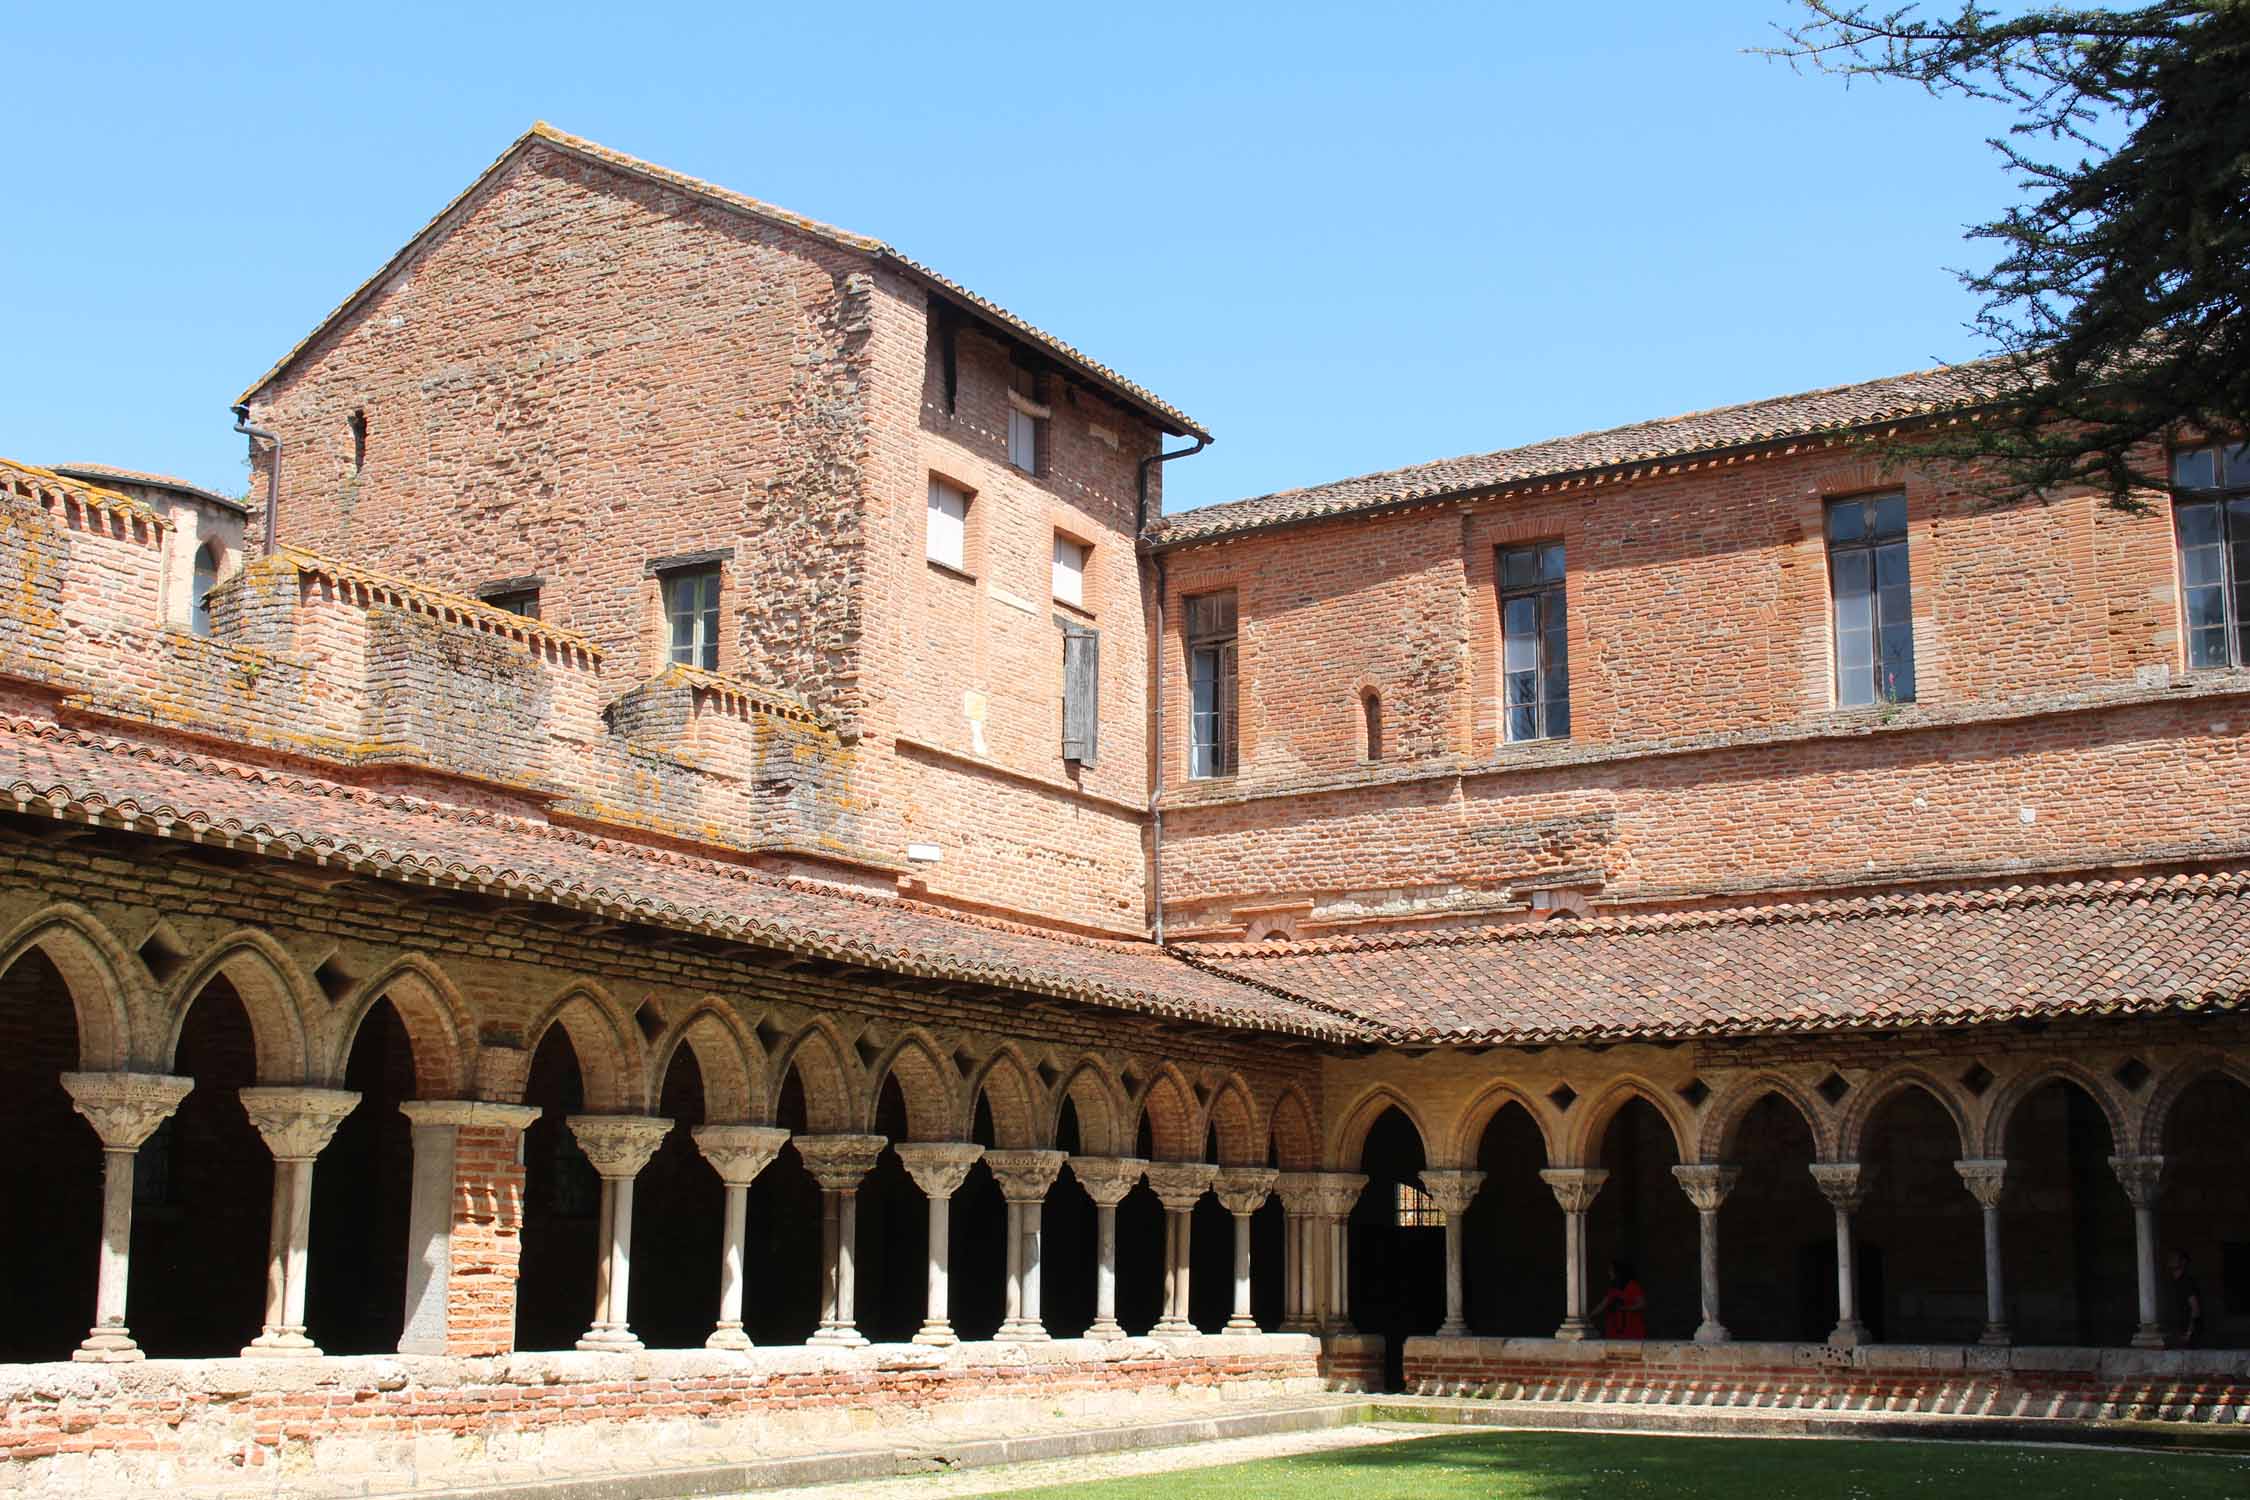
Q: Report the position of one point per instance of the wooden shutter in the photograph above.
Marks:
(1082, 670)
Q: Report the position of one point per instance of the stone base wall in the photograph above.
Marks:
(2182, 1385)
(1352, 1361)
(320, 1427)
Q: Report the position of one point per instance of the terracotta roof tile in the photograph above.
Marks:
(33, 482)
(111, 473)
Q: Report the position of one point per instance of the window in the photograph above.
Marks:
(2213, 520)
(357, 422)
(1082, 667)
(1070, 571)
(1874, 606)
(199, 591)
(1534, 644)
(691, 607)
(1371, 719)
(1211, 672)
(1027, 420)
(523, 602)
(1417, 1210)
(948, 540)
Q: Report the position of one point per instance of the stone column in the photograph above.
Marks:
(124, 1109)
(839, 1163)
(938, 1169)
(1024, 1178)
(1451, 1191)
(2143, 1179)
(296, 1124)
(1987, 1179)
(450, 1204)
(1707, 1187)
(1844, 1185)
(1179, 1186)
(618, 1146)
(1300, 1194)
(1106, 1179)
(1241, 1190)
(1574, 1189)
(738, 1153)
(1333, 1279)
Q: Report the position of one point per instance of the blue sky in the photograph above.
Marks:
(1343, 237)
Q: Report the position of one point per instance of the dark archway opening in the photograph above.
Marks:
(1067, 1242)
(562, 1198)
(1642, 1217)
(51, 1172)
(1920, 1232)
(1512, 1234)
(1397, 1251)
(2205, 1211)
(894, 1233)
(1210, 1254)
(781, 1271)
(679, 1214)
(1140, 1245)
(2066, 1227)
(363, 1184)
(1777, 1233)
(979, 1291)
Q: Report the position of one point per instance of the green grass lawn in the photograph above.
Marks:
(1584, 1466)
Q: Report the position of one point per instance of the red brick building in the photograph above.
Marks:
(668, 913)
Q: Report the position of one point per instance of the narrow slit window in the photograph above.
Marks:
(357, 423)
(1371, 723)
(199, 589)
(1534, 644)
(1211, 623)
(948, 537)
(691, 611)
(2211, 514)
(1867, 573)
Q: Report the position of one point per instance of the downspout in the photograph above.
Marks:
(273, 489)
(1156, 686)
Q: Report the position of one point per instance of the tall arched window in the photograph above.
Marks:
(1371, 709)
(199, 592)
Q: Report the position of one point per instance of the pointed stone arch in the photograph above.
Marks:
(611, 1064)
(2011, 1094)
(1585, 1143)
(1869, 1099)
(1350, 1141)
(1723, 1119)
(1093, 1091)
(1175, 1121)
(1296, 1143)
(734, 1090)
(933, 1108)
(816, 1055)
(1233, 1118)
(1468, 1139)
(2183, 1075)
(276, 994)
(95, 969)
(1006, 1084)
(440, 1027)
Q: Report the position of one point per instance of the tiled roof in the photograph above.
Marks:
(29, 480)
(1837, 409)
(2107, 947)
(169, 793)
(1097, 373)
(111, 473)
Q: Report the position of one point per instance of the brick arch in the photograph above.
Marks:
(1723, 1120)
(440, 1027)
(1094, 1092)
(1234, 1119)
(1870, 1097)
(611, 1063)
(734, 1093)
(1175, 1123)
(933, 1109)
(94, 969)
(275, 993)
(2177, 1080)
(2022, 1086)
(1005, 1083)
(816, 1056)
(1468, 1138)
(1585, 1144)
(1350, 1140)
(1296, 1146)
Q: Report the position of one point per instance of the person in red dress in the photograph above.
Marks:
(1623, 1305)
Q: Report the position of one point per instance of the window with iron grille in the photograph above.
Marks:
(1867, 577)
(1534, 644)
(691, 609)
(1211, 684)
(2212, 517)
(1417, 1210)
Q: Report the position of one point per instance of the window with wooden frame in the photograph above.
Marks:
(2211, 517)
(1027, 420)
(1874, 601)
(1211, 623)
(1071, 557)
(1534, 644)
(946, 542)
(691, 614)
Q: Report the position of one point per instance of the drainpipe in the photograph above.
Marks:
(273, 489)
(1156, 686)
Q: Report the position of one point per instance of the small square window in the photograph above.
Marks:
(1070, 571)
(523, 602)
(947, 543)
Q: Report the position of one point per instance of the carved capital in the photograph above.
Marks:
(739, 1152)
(1843, 1183)
(297, 1123)
(618, 1145)
(1574, 1187)
(1107, 1179)
(1707, 1186)
(1242, 1189)
(1299, 1192)
(1339, 1193)
(431, 1112)
(1180, 1185)
(839, 1162)
(1025, 1176)
(1451, 1190)
(939, 1167)
(2142, 1177)
(1985, 1177)
(125, 1108)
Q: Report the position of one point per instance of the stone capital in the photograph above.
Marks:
(939, 1167)
(1180, 1185)
(1985, 1177)
(125, 1108)
(2142, 1178)
(297, 1123)
(1574, 1187)
(618, 1145)
(1025, 1176)
(456, 1112)
(1242, 1189)
(839, 1162)
(1107, 1179)
(1299, 1192)
(1451, 1189)
(739, 1153)
(1843, 1183)
(1339, 1193)
(1707, 1186)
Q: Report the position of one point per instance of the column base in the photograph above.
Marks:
(1021, 1331)
(1577, 1331)
(282, 1343)
(1175, 1328)
(938, 1333)
(108, 1346)
(1713, 1333)
(610, 1338)
(2149, 1336)
(840, 1336)
(1996, 1336)
(1298, 1325)
(1453, 1328)
(727, 1336)
(1244, 1323)
(1850, 1335)
(1104, 1331)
